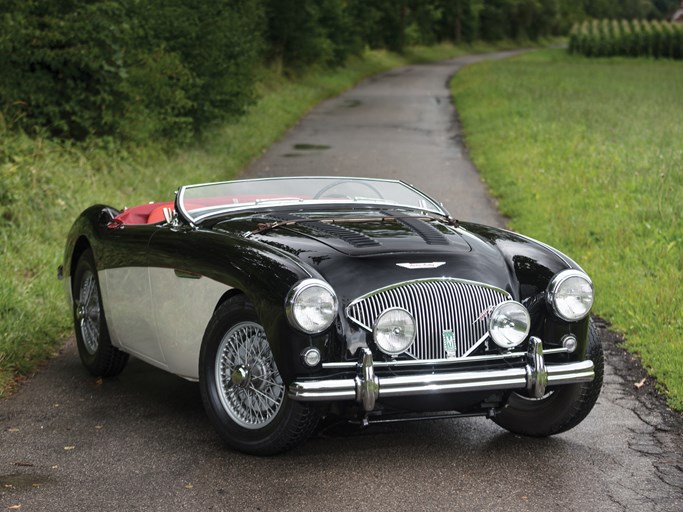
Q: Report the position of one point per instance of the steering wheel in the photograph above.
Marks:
(326, 188)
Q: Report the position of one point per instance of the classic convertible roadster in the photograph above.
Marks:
(290, 299)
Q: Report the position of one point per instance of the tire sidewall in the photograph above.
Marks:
(551, 410)
(562, 409)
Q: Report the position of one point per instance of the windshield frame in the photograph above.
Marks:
(427, 203)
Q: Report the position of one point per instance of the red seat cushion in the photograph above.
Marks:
(143, 214)
(157, 215)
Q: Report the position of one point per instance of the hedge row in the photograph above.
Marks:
(630, 38)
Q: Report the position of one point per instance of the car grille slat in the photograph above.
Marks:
(438, 305)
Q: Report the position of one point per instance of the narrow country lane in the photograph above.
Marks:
(143, 442)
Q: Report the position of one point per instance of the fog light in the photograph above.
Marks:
(569, 342)
(311, 356)
(394, 331)
(509, 324)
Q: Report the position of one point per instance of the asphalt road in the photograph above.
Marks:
(143, 442)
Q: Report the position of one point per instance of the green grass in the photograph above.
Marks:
(44, 185)
(587, 155)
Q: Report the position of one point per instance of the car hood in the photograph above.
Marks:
(357, 257)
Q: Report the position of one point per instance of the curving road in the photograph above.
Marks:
(142, 441)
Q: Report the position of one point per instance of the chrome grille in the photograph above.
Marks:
(437, 305)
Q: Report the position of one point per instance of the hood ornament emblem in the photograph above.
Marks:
(413, 266)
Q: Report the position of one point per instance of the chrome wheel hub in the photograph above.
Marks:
(248, 381)
(240, 377)
(88, 312)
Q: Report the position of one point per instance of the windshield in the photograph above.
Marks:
(198, 202)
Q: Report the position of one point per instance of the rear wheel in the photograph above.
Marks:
(562, 408)
(97, 353)
(241, 387)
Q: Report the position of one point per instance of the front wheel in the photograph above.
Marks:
(562, 408)
(243, 393)
(97, 353)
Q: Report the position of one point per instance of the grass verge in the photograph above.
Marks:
(587, 156)
(44, 185)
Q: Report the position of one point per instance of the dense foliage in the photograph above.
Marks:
(631, 38)
(130, 69)
(140, 69)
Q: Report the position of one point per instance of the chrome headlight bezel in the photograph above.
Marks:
(517, 316)
(295, 306)
(556, 295)
(412, 333)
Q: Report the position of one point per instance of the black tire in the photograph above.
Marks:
(560, 410)
(241, 387)
(97, 353)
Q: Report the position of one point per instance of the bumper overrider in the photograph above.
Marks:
(366, 387)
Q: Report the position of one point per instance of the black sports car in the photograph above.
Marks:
(291, 299)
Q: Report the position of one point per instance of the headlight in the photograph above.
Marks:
(394, 331)
(509, 324)
(311, 306)
(570, 293)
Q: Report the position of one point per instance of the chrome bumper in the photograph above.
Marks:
(367, 388)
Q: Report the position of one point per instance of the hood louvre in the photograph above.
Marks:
(427, 232)
(347, 235)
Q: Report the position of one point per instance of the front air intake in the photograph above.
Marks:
(442, 307)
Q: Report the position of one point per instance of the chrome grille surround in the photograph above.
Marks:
(438, 305)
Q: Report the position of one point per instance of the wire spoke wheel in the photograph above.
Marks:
(243, 392)
(249, 383)
(95, 349)
(88, 312)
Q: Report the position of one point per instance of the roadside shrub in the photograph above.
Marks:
(62, 66)
(213, 48)
(78, 68)
(302, 33)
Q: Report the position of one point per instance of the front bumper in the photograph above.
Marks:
(366, 387)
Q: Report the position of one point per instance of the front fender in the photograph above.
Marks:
(83, 234)
(262, 273)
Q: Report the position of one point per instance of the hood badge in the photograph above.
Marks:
(413, 266)
(484, 314)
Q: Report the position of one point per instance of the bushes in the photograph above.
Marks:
(128, 69)
(635, 38)
(301, 33)
(61, 65)
(218, 44)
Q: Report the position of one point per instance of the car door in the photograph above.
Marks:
(126, 292)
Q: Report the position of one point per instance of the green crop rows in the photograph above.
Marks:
(628, 38)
